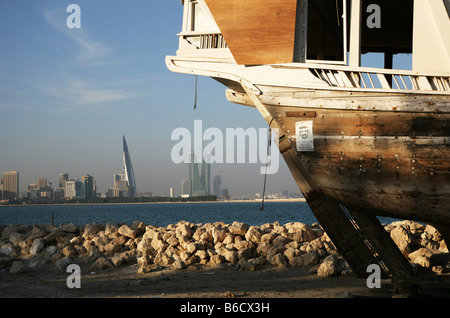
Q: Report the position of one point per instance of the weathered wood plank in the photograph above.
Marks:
(386, 249)
(331, 217)
(392, 163)
(257, 31)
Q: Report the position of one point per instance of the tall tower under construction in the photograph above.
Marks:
(200, 185)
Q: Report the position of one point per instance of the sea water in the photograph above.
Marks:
(161, 214)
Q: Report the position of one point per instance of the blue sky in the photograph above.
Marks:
(68, 95)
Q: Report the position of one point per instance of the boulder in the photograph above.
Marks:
(431, 233)
(305, 260)
(10, 229)
(402, 239)
(245, 253)
(121, 258)
(101, 263)
(290, 253)
(53, 236)
(184, 230)
(163, 259)
(17, 268)
(257, 261)
(263, 248)
(37, 246)
(301, 232)
(202, 255)
(193, 247)
(139, 227)
(70, 228)
(179, 265)
(254, 234)
(421, 257)
(280, 242)
(218, 234)
(69, 250)
(17, 238)
(7, 249)
(328, 267)
(238, 228)
(49, 251)
(111, 248)
(144, 246)
(112, 230)
(159, 245)
(278, 260)
(37, 232)
(194, 259)
(62, 263)
(421, 252)
(242, 245)
(144, 263)
(247, 266)
(172, 240)
(121, 240)
(229, 239)
(183, 241)
(90, 230)
(230, 256)
(185, 255)
(125, 230)
(215, 259)
(268, 237)
(422, 261)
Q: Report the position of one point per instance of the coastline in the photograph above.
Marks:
(162, 202)
(187, 260)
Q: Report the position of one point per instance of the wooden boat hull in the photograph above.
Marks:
(388, 172)
(381, 161)
(360, 142)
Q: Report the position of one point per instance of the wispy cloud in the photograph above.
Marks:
(73, 95)
(86, 87)
(86, 49)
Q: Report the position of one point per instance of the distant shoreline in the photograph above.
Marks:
(162, 202)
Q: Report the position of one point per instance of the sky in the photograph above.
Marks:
(68, 95)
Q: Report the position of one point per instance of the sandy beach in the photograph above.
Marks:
(196, 281)
(193, 261)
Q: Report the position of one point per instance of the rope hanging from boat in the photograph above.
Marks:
(195, 93)
(269, 144)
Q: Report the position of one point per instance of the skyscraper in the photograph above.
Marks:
(89, 186)
(10, 185)
(128, 170)
(186, 187)
(200, 185)
(41, 182)
(63, 178)
(218, 186)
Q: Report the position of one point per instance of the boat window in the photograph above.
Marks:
(387, 33)
(326, 23)
(199, 21)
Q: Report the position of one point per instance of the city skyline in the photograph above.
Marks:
(86, 188)
(67, 96)
(123, 183)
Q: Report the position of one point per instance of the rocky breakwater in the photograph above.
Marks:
(237, 245)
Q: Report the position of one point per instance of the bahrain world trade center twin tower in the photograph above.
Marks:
(128, 170)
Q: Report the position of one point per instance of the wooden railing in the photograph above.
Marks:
(212, 41)
(381, 79)
(204, 41)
